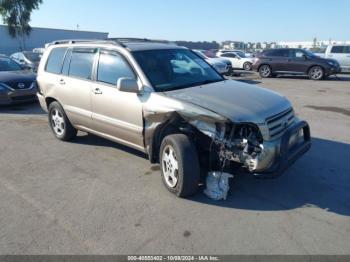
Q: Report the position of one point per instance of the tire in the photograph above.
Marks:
(316, 73)
(59, 123)
(265, 71)
(247, 66)
(179, 165)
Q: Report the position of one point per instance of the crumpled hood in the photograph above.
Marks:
(16, 76)
(237, 101)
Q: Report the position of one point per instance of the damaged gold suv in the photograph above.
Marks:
(168, 102)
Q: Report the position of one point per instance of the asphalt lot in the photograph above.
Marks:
(92, 196)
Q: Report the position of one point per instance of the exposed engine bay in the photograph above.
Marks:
(240, 143)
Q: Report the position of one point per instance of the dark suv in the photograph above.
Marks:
(270, 63)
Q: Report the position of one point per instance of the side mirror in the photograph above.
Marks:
(305, 57)
(126, 84)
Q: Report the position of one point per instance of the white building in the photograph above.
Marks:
(40, 36)
(309, 44)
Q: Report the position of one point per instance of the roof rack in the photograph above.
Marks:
(75, 41)
(116, 41)
(122, 40)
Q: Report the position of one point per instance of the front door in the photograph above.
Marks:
(297, 62)
(115, 113)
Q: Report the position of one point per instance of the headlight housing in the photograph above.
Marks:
(331, 63)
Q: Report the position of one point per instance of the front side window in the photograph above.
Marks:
(82, 60)
(298, 54)
(7, 64)
(172, 69)
(54, 62)
(111, 67)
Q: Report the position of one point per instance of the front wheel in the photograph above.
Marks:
(265, 71)
(179, 165)
(247, 66)
(316, 73)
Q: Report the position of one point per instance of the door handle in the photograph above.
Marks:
(97, 91)
(62, 82)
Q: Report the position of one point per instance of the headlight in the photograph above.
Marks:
(332, 63)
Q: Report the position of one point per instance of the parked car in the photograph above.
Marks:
(341, 53)
(161, 99)
(294, 61)
(16, 85)
(27, 59)
(222, 65)
(238, 60)
(222, 51)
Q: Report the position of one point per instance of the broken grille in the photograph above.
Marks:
(277, 124)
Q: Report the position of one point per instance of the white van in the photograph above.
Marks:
(341, 53)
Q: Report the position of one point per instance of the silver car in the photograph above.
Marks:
(164, 100)
(341, 53)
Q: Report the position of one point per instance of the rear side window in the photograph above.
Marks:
(278, 53)
(54, 62)
(229, 55)
(111, 67)
(81, 63)
(340, 49)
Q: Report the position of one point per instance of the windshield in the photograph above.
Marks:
(200, 54)
(33, 57)
(240, 54)
(172, 69)
(309, 53)
(7, 64)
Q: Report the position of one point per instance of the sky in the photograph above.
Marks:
(202, 20)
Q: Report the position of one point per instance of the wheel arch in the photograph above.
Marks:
(49, 100)
(313, 65)
(175, 124)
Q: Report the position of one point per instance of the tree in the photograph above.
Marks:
(16, 15)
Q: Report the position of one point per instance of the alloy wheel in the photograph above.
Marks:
(57, 121)
(170, 166)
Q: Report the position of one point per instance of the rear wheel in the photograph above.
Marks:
(316, 73)
(247, 66)
(59, 123)
(265, 71)
(179, 165)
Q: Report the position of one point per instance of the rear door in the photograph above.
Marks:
(76, 84)
(277, 59)
(116, 113)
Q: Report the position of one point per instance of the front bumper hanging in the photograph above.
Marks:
(286, 155)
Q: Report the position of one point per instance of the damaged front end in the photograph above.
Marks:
(222, 144)
(239, 143)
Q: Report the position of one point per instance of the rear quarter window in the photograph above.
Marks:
(55, 60)
(338, 49)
